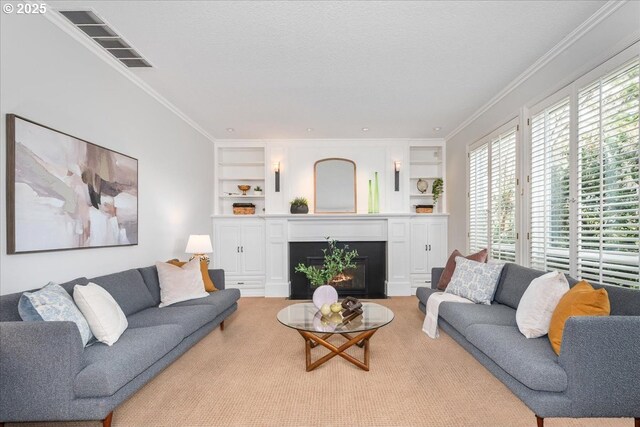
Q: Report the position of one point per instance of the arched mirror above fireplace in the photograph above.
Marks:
(335, 186)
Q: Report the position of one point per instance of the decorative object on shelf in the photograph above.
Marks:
(276, 171)
(257, 190)
(66, 193)
(422, 185)
(199, 245)
(244, 188)
(396, 174)
(336, 261)
(424, 208)
(436, 189)
(244, 209)
(376, 195)
(299, 205)
(370, 203)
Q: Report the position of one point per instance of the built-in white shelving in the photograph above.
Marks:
(426, 162)
(239, 165)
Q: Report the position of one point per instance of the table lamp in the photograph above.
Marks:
(199, 245)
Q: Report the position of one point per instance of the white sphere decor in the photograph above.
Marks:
(325, 294)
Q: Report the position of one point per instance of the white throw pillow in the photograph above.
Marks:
(475, 281)
(538, 303)
(180, 283)
(104, 316)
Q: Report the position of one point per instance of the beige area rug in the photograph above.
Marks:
(253, 374)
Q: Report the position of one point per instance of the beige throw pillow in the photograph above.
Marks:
(179, 284)
(104, 316)
(538, 303)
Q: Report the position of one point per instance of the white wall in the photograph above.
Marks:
(49, 77)
(610, 36)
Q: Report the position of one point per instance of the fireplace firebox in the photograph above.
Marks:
(366, 280)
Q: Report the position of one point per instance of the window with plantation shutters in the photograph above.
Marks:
(608, 201)
(550, 237)
(502, 192)
(492, 195)
(479, 198)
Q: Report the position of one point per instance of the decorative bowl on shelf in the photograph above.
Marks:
(422, 185)
(244, 189)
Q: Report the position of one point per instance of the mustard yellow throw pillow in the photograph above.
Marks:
(204, 269)
(581, 300)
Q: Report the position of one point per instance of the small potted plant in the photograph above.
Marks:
(336, 261)
(299, 205)
(257, 190)
(436, 189)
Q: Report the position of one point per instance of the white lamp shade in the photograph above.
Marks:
(199, 244)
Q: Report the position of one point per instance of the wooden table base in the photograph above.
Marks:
(312, 340)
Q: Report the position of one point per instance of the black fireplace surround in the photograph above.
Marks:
(367, 280)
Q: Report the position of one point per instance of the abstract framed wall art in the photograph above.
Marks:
(66, 193)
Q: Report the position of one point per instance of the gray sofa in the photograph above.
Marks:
(597, 373)
(46, 374)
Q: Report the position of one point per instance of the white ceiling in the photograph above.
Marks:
(274, 69)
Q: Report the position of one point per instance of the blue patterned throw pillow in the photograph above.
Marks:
(53, 303)
(475, 281)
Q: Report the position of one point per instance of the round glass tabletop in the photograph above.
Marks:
(306, 317)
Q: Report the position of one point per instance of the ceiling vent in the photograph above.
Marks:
(98, 30)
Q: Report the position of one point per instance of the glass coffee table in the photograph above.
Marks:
(316, 329)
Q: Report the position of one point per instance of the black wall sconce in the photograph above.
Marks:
(276, 170)
(396, 166)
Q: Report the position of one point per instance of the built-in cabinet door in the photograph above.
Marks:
(252, 249)
(436, 245)
(228, 241)
(419, 248)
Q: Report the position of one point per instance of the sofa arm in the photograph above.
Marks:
(436, 272)
(601, 356)
(38, 364)
(217, 277)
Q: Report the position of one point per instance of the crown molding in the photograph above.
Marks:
(595, 19)
(58, 20)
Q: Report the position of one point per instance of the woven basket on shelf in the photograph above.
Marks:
(244, 209)
(424, 209)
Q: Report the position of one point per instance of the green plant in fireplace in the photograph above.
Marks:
(336, 260)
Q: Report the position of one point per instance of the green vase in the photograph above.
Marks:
(376, 196)
(370, 205)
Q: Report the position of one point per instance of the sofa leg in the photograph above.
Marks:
(637, 424)
(540, 421)
(107, 421)
(221, 328)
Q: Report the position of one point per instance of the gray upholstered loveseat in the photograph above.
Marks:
(46, 374)
(597, 373)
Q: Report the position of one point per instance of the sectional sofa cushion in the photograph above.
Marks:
(180, 283)
(461, 316)
(423, 294)
(581, 300)
(150, 276)
(538, 303)
(128, 289)
(104, 315)
(220, 300)
(53, 304)
(190, 318)
(514, 280)
(107, 369)
(474, 280)
(530, 361)
(450, 267)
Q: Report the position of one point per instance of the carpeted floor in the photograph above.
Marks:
(253, 374)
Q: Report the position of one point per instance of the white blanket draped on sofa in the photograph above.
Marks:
(430, 325)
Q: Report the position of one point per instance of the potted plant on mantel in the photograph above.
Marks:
(299, 205)
(336, 261)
